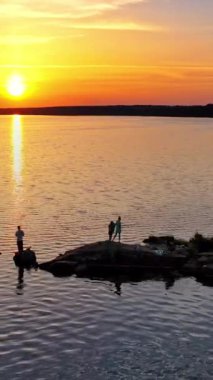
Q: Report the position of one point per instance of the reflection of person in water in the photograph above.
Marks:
(20, 284)
(169, 282)
(118, 287)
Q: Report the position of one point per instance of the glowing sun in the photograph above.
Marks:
(15, 86)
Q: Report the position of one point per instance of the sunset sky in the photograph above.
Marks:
(86, 52)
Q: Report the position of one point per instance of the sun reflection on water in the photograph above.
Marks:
(17, 142)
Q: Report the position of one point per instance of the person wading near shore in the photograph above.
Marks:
(19, 236)
(118, 229)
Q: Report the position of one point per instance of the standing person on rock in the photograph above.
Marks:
(19, 236)
(118, 229)
(111, 228)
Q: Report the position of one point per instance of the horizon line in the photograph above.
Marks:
(106, 105)
(204, 111)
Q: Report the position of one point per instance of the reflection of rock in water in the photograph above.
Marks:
(118, 281)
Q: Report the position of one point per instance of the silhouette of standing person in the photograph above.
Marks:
(111, 228)
(118, 229)
(19, 236)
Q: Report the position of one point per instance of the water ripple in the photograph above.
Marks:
(92, 170)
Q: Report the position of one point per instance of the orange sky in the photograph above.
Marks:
(107, 52)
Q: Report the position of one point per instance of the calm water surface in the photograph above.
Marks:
(63, 179)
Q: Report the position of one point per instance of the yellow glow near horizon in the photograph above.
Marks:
(94, 52)
(15, 86)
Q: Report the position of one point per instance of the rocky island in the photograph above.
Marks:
(158, 255)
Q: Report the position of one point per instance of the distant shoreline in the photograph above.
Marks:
(117, 110)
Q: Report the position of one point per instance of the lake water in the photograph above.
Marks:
(63, 179)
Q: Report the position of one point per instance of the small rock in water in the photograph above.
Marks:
(25, 259)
